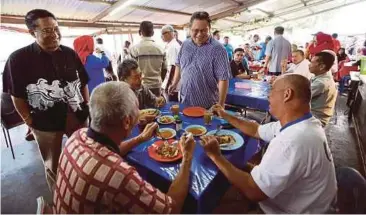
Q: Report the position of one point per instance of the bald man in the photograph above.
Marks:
(296, 174)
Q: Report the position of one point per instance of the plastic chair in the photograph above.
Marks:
(351, 196)
(9, 119)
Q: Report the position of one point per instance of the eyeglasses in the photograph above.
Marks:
(47, 31)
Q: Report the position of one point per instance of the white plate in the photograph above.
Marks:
(156, 111)
(196, 126)
(239, 141)
(168, 129)
(166, 123)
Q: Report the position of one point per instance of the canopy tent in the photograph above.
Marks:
(124, 16)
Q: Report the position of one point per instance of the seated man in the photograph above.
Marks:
(129, 72)
(323, 88)
(299, 65)
(237, 68)
(94, 178)
(296, 174)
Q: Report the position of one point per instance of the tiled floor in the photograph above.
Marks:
(23, 180)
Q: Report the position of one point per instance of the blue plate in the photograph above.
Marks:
(239, 141)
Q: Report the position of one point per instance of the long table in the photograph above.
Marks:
(207, 183)
(255, 98)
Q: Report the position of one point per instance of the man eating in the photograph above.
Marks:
(129, 72)
(296, 174)
(93, 177)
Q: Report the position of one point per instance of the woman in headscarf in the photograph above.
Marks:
(322, 42)
(84, 46)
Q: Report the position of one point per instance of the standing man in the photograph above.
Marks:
(171, 52)
(255, 46)
(150, 57)
(202, 66)
(278, 51)
(229, 48)
(176, 37)
(323, 88)
(48, 85)
(216, 35)
(108, 71)
(263, 45)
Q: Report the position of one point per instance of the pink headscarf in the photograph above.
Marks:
(84, 46)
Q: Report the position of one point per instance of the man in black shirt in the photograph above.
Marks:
(48, 85)
(237, 68)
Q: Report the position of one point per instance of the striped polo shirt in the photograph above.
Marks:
(202, 67)
(151, 58)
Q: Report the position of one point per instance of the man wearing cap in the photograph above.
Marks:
(171, 53)
(150, 57)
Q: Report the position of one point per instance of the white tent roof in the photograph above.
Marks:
(127, 14)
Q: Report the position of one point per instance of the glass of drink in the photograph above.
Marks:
(207, 117)
(174, 109)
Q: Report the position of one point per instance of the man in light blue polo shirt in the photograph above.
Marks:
(229, 48)
(202, 66)
(296, 174)
(278, 50)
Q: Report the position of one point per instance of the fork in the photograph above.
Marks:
(218, 129)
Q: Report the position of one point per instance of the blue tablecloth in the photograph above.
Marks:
(207, 184)
(256, 97)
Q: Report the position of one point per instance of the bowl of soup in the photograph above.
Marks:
(196, 130)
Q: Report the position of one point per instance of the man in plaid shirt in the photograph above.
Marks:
(92, 175)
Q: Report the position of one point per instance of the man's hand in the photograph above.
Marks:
(148, 132)
(187, 145)
(211, 146)
(218, 110)
(160, 101)
(172, 88)
(262, 70)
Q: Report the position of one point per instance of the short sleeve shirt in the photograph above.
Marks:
(151, 59)
(171, 54)
(51, 84)
(202, 67)
(92, 179)
(297, 171)
(279, 49)
(323, 97)
(236, 69)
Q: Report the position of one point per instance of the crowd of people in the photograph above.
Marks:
(55, 89)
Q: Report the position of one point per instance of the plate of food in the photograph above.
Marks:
(194, 111)
(166, 133)
(196, 130)
(165, 120)
(165, 151)
(150, 111)
(228, 140)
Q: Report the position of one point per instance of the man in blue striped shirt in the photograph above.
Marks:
(202, 66)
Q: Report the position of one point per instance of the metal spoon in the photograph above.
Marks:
(218, 129)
